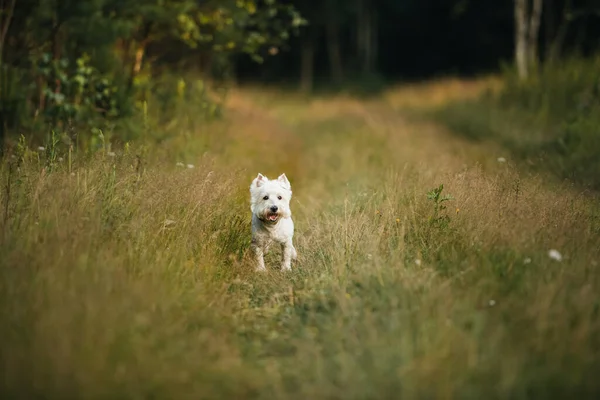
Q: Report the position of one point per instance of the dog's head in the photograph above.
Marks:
(270, 199)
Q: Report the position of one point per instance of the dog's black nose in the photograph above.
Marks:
(274, 208)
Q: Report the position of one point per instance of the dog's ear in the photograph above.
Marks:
(283, 180)
(259, 180)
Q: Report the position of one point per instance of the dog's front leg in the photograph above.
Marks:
(259, 257)
(287, 250)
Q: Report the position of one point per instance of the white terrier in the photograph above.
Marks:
(272, 219)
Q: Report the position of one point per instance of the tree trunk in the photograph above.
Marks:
(335, 56)
(205, 63)
(549, 28)
(138, 60)
(122, 50)
(558, 41)
(360, 33)
(7, 13)
(521, 29)
(580, 35)
(366, 41)
(141, 42)
(374, 40)
(41, 105)
(307, 64)
(534, 30)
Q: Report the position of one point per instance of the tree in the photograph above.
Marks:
(335, 14)
(70, 49)
(7, 7)
(307, 60)
(314, 11)
(527, 25)
(327, 20)
(366, 35)
(569, 14)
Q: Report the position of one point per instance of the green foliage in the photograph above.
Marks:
(52, 150)
(83, 64)
(439, 219)
(243, 25)
(74, 93)
(550, 121)
(13, 107)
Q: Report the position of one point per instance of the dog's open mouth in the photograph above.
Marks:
(272, 217)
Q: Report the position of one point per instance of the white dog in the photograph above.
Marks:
(272, 219)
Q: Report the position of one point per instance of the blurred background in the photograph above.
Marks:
(92, 71)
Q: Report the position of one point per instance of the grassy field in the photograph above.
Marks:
(549, 123)
(127, 275)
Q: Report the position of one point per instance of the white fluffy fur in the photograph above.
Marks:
(272, 219)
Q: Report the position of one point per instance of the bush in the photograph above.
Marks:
(552, 120)
(77, 106)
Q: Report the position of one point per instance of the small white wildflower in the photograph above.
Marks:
(60, 159)
(492, 303)
(111, 154)
(41, 148)
(180, 164)
(527, 260)
(418, 262)
(190, 166)
(501, 159)
(369, 256)
(555, 255)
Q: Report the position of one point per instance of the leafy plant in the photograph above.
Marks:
(51, 150)
(439, 219)
(77, 65)
(73, 93)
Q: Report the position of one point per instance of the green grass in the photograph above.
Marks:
(122, 279)
(550, 122)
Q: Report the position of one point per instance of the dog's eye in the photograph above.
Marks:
(266, 198)
(279, 197)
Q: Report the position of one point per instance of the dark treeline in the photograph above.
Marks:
(416, 39)
(69, 63)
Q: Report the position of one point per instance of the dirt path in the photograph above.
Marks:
(496, 200)
(493, 300)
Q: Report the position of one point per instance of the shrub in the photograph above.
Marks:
(552, 120)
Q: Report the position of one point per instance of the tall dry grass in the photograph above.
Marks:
(132, 280)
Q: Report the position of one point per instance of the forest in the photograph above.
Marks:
(68, 62)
